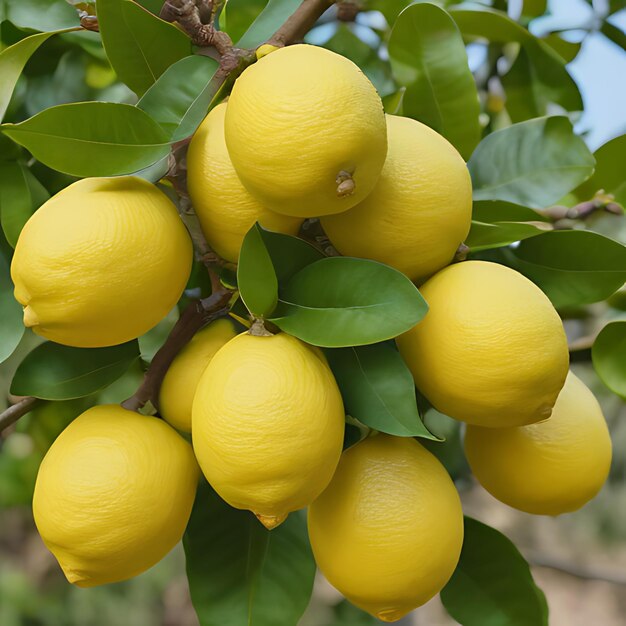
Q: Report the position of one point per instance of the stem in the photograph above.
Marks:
(17, 410)
(300, 22)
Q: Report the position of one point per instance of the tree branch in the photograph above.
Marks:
(17, 410)
(300, 22)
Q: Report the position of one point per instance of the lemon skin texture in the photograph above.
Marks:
(179, 384)
(225, 209)
(420, 210)
(296, 120)
(388, 531)
(267, 425)
(114, 494)
(101, 262)
(549, 468)
(491, 351)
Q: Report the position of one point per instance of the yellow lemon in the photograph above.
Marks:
(549, 468)
(114, 494)
(388, 530)
(267, 425)
(180, 381)
(420, 210)
(491, 350)
(225, 209)
(101, 262)
(306, 131)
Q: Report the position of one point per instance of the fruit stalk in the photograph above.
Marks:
(299, 22)
(17, 410)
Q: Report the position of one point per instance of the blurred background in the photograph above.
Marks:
(579, 560)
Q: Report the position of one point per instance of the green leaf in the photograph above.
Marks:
(256, 278)
(180, 98)
(11, 327)
(341, 301)
(92, 138)
(238, 15)
(608, 353)
(492, 584)
(239, 572)
(548, 68)
(20, 195)
(42, 15)
(534, 8)
(567, 50)
(573, 267)
(533, 163)
(267, 23)
(378, 389)
(609, 172)
(55, 372)
(139, 45)
(614, 33)
(12, 62)
(428, 57)
(347, 614)
(523, 99)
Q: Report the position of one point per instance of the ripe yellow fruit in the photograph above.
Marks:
(179, 384)
(491, 350)
(549, 468)
(420, 210)
(388, 530)
(114, 494)
(267, 425)
(101, 262)
(225, 209)
(306, 131)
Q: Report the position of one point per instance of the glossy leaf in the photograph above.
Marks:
(567, 50)
(181, 97)
(11, 326)
(42, 15)
(267, 23)
(238, 15)
(608, 354)
(289, 254)
(92, 138)
(20, 195)
(428, 57)
(523, 99)
(139, 45)
(241, 573)
(378, 389)
(256, 278)
(492, 584)
(572, 267)
(533, 163)
(341, 301)
(55, 372)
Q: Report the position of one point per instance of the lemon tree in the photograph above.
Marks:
(270, 270)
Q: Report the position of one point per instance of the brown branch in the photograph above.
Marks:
(299, 22)
(17, 410)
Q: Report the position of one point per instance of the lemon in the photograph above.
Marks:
(225, 209)
(420, 210)
(180, 381)
(267, 424)
(306, 131)
(388, 531)
(101, 262)
(114, 494)
(491, 350)
(549, 468)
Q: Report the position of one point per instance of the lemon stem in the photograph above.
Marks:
(345, 184)
(258, 328)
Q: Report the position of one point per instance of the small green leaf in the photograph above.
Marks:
(533, 163)
(139, 45)
(182, 95)
(572, 267)
(608, 353)
(274, 15)
(92, 138)
(428, 57)
(238, 15)
(341, 301)
(378, 389)
(492, 584)
(239, 572)
(11, 326)
(20, 195)
(55, 372)
(256, 278)
(289, 254)
(42, 15)
(534, 8)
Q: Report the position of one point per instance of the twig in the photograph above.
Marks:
(299, 22)
(17, 410)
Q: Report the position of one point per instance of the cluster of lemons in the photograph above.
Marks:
(303, 134)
